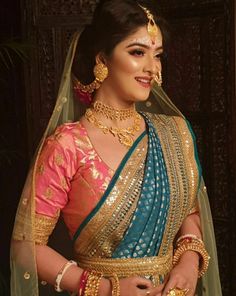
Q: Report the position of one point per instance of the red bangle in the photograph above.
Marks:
(83, 282)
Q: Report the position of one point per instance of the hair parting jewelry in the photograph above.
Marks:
(195, 246)
(61, 274)
(151, 26)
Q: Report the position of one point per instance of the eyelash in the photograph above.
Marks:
(139, 52)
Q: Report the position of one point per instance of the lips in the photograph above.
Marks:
(144, 81)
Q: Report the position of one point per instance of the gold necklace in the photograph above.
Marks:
(112, 113)
(124, 135)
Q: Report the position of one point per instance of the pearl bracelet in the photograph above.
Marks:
(61, 274)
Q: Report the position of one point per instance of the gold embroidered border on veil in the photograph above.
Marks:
(24, 279)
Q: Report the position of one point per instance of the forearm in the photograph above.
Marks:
(49, 263)
(191, 225)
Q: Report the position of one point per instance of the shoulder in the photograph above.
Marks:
(171, 125)
(166, 120)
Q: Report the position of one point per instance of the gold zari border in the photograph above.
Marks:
(178, 150)
(44, 226)
(104, 231)
(152, 267)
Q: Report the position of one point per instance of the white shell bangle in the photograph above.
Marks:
(61, 274)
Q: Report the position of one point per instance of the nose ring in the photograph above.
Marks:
(158, 78)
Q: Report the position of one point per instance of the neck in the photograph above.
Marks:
(112, 100)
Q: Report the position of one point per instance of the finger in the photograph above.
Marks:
(169, 285)
(143, 283)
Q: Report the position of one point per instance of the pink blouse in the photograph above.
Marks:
(71, 177)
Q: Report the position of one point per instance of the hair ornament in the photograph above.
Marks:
(151, 26)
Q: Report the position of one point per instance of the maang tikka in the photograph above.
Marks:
(151, 26)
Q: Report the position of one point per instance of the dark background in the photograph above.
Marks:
(199, 75)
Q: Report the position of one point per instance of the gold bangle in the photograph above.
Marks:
(92, 285)
(115, 285)
(195, 246)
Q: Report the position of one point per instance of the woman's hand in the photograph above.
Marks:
(135, 286)
(184, 275)
(132, 286)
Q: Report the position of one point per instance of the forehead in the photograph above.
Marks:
(142, 36)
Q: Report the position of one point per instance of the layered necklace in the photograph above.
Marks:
(124, 135)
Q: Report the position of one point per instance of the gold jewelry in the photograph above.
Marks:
(151, 27)
(177, 292)
(125, 135)
(92, 285)
(195, 246)
(188, 238)
(115, 285)
(158, 78)
(112, 113)
(100, 72)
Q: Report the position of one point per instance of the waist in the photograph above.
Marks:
(155, 268)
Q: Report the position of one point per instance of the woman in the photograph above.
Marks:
(128, 184)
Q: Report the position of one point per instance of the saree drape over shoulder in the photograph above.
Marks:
(122, 222)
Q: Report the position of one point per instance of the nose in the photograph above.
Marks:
(152, 65)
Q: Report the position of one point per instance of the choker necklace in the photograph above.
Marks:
(112, 113)
(124, 135)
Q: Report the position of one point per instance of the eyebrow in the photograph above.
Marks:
(143, 45)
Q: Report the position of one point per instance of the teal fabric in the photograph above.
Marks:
(110, 186)
(144, 235)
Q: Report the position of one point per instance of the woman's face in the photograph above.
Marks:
(132, 66)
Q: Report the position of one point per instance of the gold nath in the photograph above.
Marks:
(111, 113)
(124, 135)
(151, 26)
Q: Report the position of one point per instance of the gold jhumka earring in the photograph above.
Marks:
(151, 26)
(100, 72)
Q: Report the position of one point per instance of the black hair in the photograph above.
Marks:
(112, 22)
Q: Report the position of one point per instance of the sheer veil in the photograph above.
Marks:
(24, 280)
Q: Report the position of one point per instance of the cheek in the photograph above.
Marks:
(127, 65)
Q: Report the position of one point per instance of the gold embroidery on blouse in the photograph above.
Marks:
(59, 159)
(40, 169)
(64, 183)
(44, 226)
(49, 193)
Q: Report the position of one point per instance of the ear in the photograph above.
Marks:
(100, 58)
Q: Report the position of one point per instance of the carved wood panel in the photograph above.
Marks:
(196, 75)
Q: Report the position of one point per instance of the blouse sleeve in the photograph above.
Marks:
(55, 170)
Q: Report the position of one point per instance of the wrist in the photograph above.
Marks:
(105, 288)
(191, 257)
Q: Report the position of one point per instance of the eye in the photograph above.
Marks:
(158, 56)
(137, 52)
